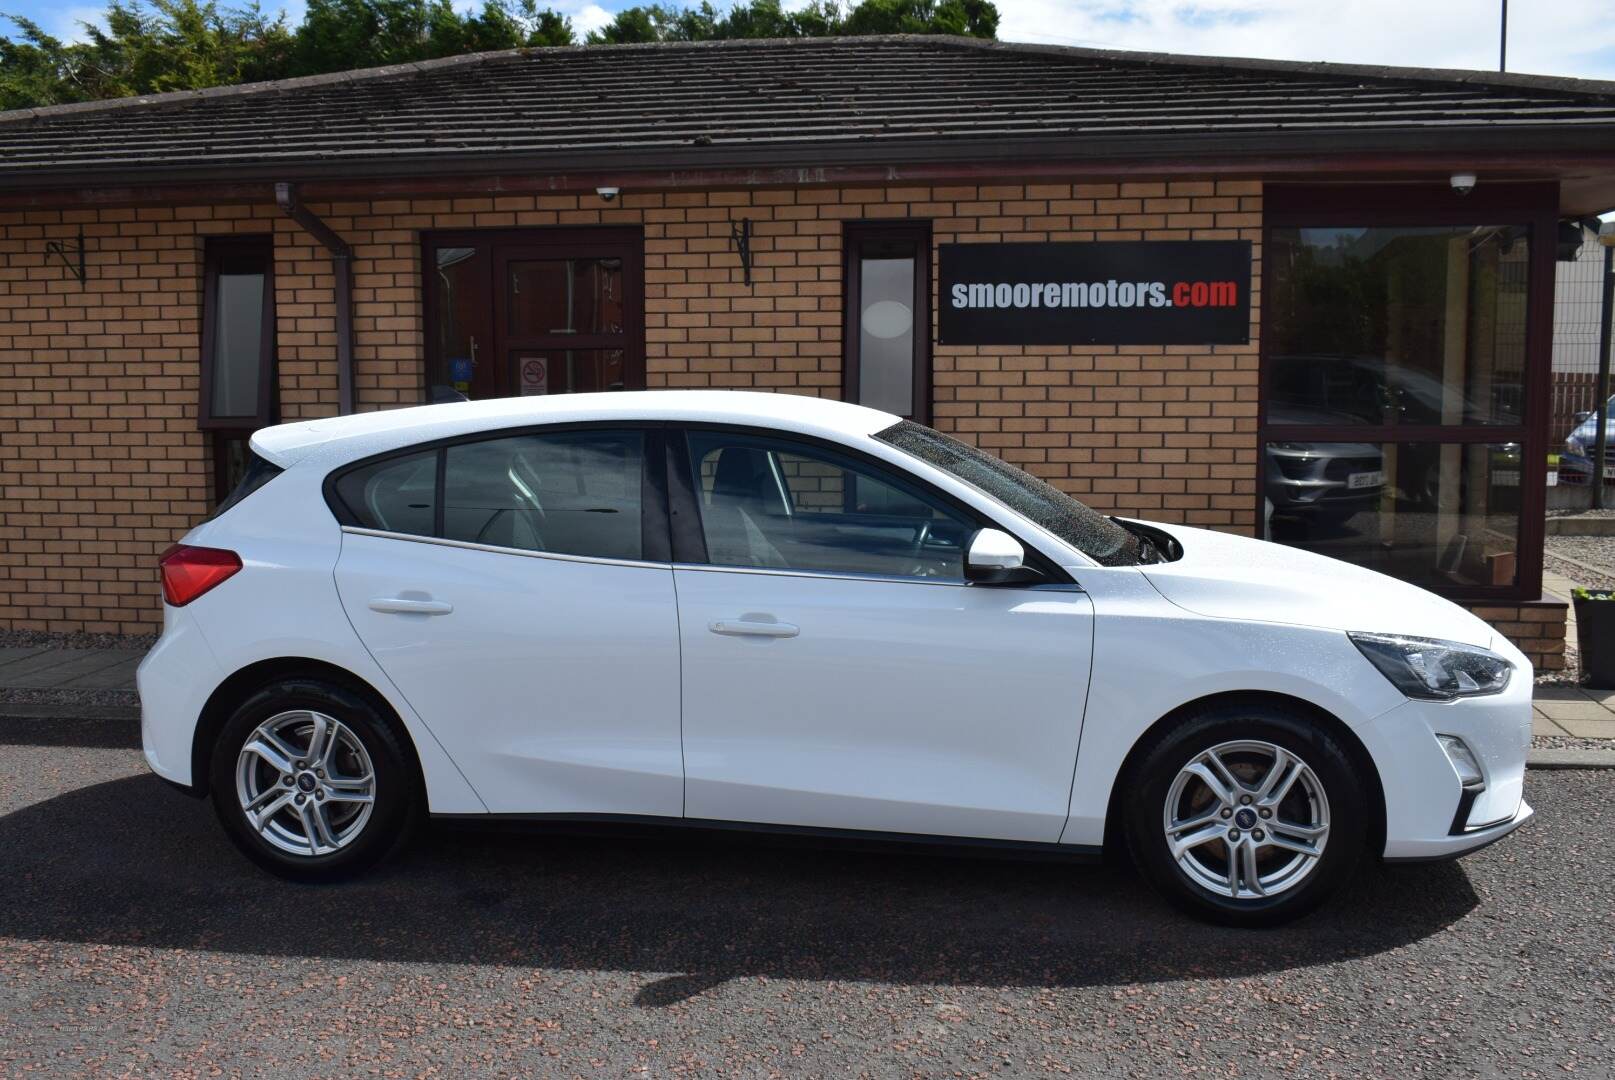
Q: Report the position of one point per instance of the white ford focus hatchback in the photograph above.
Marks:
(703, 608)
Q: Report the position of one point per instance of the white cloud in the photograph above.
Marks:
(1560, 37)
(67, 24)
(586, 17)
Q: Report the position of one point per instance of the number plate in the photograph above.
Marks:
(1366, 479)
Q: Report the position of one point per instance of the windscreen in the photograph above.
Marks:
(1090, 532)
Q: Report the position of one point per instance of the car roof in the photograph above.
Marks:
(338, 439)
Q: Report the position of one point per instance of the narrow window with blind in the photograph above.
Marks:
(238, 348)
(887, 338)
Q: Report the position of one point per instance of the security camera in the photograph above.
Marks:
(610, 193)
(1463, 182)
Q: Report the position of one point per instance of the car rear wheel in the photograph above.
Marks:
(1247, 814)
(312, 782)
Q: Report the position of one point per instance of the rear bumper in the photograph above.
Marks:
(175, 680)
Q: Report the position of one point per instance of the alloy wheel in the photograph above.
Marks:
(1246, 820)
(305, 782)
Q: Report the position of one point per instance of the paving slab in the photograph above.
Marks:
(1560, 711)
(13, 653)
(87, 669)
(1559, 693)
(1541, 725)
(1589, 729)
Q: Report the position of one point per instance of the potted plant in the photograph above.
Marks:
(1595, 636)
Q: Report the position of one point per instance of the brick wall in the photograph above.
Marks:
(1536, 629)
(103, 464)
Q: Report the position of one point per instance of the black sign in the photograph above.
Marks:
(1161, 292)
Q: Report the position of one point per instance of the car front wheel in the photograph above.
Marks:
(1250, 815)
(311, 781)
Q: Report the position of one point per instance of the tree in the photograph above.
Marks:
(151, 46)
(820, 18)
(173, 45)
(967, 18)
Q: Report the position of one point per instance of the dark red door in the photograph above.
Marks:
(541, 311)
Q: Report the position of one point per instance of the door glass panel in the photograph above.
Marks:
(238, 344)
(574, 493)
(778, 504)
(1441, 515)
(886, 328)
(396, 495)
(565, 371)
(566, 296)
(1396, 325)
(460, 295)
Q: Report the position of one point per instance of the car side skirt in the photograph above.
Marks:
(856, 839)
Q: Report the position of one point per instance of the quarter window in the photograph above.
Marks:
(396, 495)
(778, 504)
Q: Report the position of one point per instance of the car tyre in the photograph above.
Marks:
(305, 758)
(1227, 844)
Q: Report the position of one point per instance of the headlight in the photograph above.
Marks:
(1434, 670)
(1575, 446)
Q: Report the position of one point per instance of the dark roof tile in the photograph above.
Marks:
(820, 101)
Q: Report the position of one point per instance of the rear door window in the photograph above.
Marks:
(571, 493)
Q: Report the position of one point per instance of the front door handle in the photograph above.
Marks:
(397, 605)
(748, 628)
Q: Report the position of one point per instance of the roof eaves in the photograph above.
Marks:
(808, 163)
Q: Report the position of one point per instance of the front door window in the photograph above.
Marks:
(521, 314)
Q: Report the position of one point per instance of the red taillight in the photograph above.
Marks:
(188, 572)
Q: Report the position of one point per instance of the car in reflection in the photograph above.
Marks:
(1576, 459)
(724, 610)
(1324, 482)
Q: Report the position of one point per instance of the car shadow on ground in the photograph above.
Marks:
(133, 862)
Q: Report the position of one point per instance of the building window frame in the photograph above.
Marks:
(216, 250)
(1532, 205)
(855, 235)
(494, 249)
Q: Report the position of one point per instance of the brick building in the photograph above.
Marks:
(801, 216)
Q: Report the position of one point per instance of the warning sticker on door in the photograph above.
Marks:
(535, 375)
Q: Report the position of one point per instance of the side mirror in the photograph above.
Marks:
(1581, 417)
(997, 558)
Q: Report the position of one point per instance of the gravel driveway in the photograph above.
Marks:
(134, 940)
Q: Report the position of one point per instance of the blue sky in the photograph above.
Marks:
(1557, 37)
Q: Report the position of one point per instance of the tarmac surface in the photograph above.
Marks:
(135, 940)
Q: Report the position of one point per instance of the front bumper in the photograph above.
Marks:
(1428, 812)
(1453, 846)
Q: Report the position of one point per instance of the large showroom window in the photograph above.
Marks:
(1399, 370)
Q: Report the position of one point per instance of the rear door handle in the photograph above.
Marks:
(746, 628)
(397, 605)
